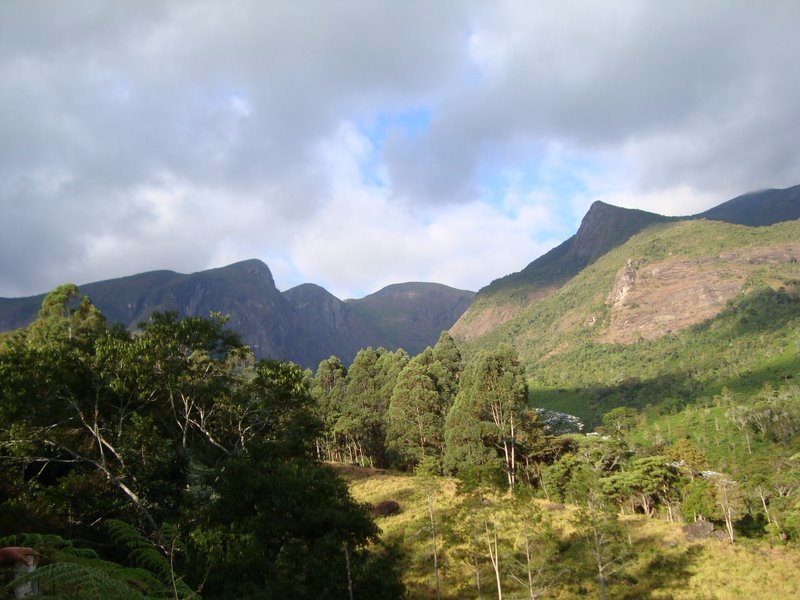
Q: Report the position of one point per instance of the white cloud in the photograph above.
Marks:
(186, 135)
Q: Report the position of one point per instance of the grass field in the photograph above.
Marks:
(665, 566)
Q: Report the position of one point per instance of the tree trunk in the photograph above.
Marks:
(530, 573)
(602, 584)
(764, 503)
(478, 577)
(435, 553)
(729, 526)
(494, 556)
(513, 453)
(349, 575)
(508, 463)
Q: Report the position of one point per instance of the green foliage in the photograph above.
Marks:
(487, 413)
(618, 421)
(369, 385)
(415, 418)
(647, 482)
(69, 571)
(178, 432)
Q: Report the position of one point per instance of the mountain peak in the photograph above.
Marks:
(414, 289)
(250, 265)
(605, 226)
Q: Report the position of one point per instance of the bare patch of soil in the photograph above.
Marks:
(651, 300)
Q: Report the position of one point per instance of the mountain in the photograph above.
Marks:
(681, 310)
(758, 209)
(305, 324)
(328, 326)
(603, 228)
(404, 313)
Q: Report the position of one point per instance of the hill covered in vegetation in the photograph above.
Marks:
(679, 307)
(602, 229)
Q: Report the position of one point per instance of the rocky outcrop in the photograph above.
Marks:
(385, 508)
(651, 300)
(702, 530)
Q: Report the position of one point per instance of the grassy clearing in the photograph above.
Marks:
(665, 565)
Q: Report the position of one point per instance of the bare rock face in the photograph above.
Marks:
(651, 300)
(624, 284)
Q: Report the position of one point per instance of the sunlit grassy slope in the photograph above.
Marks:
(755, 340)
(665, 565)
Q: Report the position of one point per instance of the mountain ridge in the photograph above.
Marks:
(603, 228)
(304, 324)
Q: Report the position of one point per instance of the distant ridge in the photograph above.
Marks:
(305, 324)
(603, 228)
(766, 207)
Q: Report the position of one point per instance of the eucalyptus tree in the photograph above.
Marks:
(603, 538)
(486, 413)
(327, 390)
(446, 366)
(415, 419)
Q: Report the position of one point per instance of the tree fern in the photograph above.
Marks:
(145, 555)
(80, 573)
(73, 580)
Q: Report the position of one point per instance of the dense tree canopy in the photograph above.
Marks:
(486, 413)
(179, 431)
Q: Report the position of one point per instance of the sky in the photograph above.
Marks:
(354, 144)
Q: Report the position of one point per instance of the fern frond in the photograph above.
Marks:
(77, 581)
(144, 554)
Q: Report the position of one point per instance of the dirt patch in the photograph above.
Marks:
(651, 300)
(480, 321)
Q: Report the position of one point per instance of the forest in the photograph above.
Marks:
(169, 463)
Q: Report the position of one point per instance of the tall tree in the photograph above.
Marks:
(327, 390)
(369, 386)
(415, 423)
(603, 538)
(446, 367)
(426, 486)
(361, 420)
(492, 395)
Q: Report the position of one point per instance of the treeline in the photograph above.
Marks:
(474, 420)
(171, 463)
(392, 410)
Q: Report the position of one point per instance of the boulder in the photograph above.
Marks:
(385, 508)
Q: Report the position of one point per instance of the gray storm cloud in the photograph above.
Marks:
(182, 134)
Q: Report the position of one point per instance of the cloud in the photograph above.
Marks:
(363, 233)
(698, 93)
(457, 140)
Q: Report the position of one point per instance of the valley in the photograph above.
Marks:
(621, 419)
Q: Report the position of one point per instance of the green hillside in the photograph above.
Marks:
(664, 565)
(753, 340)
